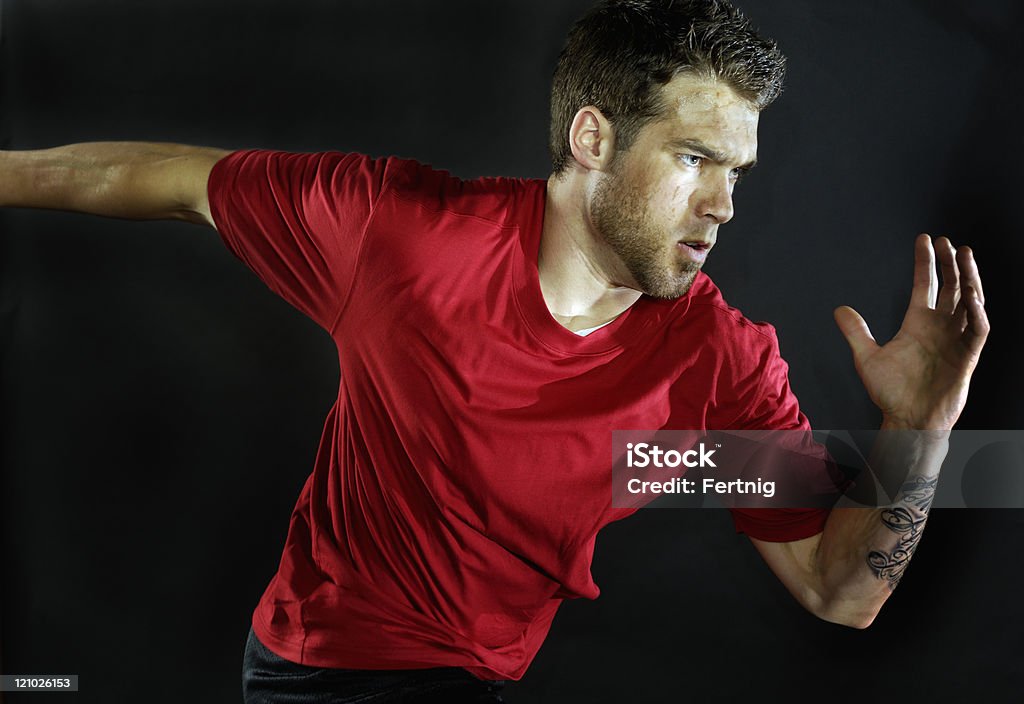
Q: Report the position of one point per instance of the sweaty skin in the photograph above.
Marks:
(616, 226)
(616, 220)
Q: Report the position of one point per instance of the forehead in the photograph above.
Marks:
(710, 111)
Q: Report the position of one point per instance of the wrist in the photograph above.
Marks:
(902, 451)
(924, 431)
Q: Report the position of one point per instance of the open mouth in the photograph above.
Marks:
(695, 251)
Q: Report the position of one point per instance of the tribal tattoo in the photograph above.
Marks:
(907, 520)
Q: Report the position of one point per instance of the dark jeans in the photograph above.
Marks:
(270, 679)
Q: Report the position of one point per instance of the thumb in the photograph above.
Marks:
(856, 331)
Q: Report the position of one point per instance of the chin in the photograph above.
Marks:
(669, 289)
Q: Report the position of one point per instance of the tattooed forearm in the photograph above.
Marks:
(906, 519)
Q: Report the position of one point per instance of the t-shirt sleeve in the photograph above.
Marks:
(297, 220)
(775, 407)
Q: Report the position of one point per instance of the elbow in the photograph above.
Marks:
(849, 613)
(860, 622)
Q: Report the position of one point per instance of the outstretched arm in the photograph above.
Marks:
(136, 180)
(919, 381)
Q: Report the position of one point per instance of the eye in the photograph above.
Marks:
(691, 159)
(738, 174)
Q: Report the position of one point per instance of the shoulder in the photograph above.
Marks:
(390, 190)
(493, 199)
(713, 339)
(742, 358)
(340, 174)
(720, 325)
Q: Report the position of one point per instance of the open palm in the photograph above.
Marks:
(919, 379)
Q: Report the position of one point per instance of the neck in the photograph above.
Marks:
(575, 282)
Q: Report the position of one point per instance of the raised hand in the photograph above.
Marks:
(919, 379)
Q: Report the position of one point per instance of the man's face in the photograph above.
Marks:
(658, 207)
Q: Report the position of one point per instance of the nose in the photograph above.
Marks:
(715, 199)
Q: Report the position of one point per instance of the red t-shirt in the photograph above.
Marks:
(465, 469)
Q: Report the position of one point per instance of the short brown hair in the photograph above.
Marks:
(619, 55)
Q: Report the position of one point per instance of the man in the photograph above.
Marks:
(460, 482)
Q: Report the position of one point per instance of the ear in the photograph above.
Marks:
(591, 139)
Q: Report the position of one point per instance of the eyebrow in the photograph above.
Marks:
(709, 152)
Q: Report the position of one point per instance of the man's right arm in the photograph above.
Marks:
(134, 180)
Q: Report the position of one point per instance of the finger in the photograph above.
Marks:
(925, 281)
(969, 271)
(949, 294)
(856, 331)
(960, 313)
(977, 322)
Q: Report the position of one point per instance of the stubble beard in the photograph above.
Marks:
(620, 216)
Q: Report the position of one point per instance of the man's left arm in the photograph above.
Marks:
(919, 381)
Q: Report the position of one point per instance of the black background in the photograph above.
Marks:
(161, 409)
